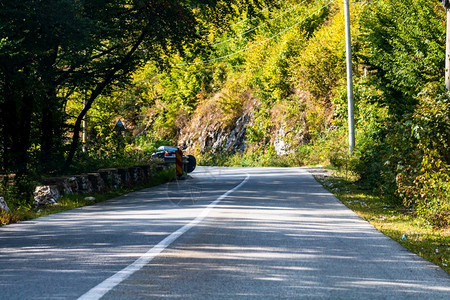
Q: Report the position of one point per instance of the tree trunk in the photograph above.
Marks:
(50, 124)
(109, 78)
(51, 134)
(16, 130)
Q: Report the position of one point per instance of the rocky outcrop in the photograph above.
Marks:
(236, 141)
(211, 132)
(223, 123)
(280, 144)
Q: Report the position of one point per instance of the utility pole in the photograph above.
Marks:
(348, 43)
(446, 5)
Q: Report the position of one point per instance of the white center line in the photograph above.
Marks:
(108, 284)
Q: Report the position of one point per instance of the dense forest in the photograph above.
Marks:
(242, 82)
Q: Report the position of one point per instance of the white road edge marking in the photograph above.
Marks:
(108, 284)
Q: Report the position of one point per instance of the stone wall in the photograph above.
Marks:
(95, 182)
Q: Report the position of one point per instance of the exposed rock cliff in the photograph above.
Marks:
(214, 129)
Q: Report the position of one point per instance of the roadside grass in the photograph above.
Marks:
(397, 222)
(26, 211)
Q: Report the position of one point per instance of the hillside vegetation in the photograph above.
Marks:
(264, 83)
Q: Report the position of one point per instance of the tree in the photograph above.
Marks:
(51, 49)
(405, 49)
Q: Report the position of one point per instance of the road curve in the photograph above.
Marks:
(279, 235)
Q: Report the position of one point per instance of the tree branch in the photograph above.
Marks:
(109, 78)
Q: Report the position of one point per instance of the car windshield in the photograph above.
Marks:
(167, 148)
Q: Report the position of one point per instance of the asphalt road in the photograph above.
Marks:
(247, 233)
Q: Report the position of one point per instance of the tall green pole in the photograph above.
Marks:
(348, 43)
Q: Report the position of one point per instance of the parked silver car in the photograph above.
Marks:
(168, 153)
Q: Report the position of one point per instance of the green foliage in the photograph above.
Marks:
(404, 154)
(424, 181)
(426, 187)
(275, 77)
(320, 67)
(404, 43)
(431, 120)
(264, 157)
(18, 192)
(51, 50)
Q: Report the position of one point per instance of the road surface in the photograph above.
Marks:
(225, 233)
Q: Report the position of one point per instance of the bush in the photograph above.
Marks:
(423, 183)
(19, 192)
(426, 187)
(431, 120)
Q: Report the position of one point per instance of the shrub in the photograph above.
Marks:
(19, 192)
(426, 187)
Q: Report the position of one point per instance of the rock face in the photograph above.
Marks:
(210, 132)
(236, 138)
(280, 145)
(3, 205)
(45, 195)
(238, 122)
